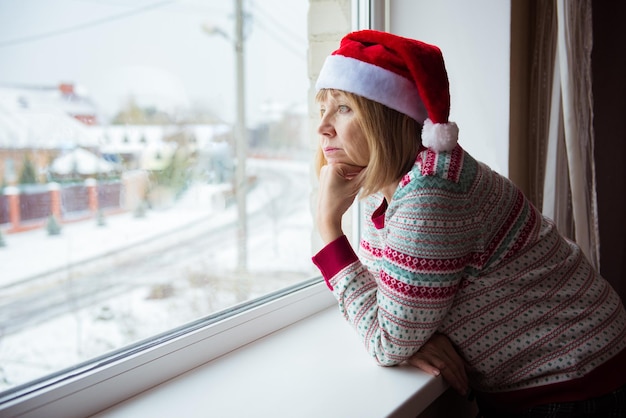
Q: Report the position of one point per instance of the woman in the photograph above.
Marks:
(456, 270)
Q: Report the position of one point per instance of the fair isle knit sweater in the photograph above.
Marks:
(460, 251)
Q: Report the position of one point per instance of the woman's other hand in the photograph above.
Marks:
(439, 357)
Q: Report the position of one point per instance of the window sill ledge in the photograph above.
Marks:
(315, 367)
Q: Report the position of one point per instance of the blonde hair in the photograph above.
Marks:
(393, 139)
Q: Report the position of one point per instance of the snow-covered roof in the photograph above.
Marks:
(82, 162)
(42, 118)
(33, 118)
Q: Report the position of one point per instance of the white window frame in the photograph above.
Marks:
(93, 386)
(164, 357)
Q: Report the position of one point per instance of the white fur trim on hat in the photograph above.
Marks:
(440, 136)
(372, 82)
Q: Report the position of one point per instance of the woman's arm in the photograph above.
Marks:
(396, 295)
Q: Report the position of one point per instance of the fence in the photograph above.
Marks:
(27, 206)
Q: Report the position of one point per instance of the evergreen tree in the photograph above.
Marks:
(28, 174)
(53, 226)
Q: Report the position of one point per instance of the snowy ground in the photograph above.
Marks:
(201, 288)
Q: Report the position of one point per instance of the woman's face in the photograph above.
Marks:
(341, 137)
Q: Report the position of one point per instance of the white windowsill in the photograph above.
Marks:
(315, 367)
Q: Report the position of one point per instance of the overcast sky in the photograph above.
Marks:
(156, 51)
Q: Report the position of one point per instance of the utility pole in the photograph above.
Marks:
(241, 143)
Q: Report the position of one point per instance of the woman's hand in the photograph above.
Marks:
(439, 357)
(338, 186)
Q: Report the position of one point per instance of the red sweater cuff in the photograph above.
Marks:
(334, 257)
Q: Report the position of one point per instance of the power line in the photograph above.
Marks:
(276, 23)
(12, 42)
(298, 52)
(182, 7)
(280, 38)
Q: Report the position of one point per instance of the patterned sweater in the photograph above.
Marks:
(462, 252)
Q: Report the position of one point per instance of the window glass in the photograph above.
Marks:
(143, 183)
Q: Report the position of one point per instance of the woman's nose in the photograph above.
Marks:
(325, 127)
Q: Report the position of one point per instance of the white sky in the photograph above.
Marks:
(156, 51)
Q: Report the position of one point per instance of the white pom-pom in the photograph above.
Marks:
(440, 136)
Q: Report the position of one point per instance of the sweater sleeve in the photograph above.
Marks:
(399, 290)
(334, 257)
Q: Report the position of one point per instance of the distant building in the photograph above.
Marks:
(41, 124)
(38, 122)
(78, 106)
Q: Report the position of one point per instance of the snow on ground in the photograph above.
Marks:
(150, 308)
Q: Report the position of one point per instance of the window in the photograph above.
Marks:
(145, 187)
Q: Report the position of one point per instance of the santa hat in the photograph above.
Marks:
(401, 73)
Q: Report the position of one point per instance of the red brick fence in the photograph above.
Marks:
(30, 206)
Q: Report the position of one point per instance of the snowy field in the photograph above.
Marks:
(279, 251)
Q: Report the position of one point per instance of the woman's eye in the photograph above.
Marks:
(343, 109)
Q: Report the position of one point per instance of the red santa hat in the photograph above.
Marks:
(401, 73)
